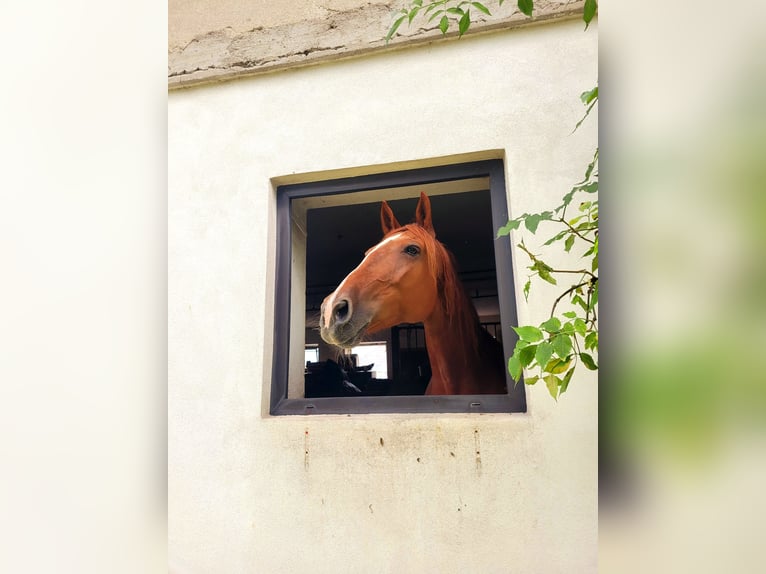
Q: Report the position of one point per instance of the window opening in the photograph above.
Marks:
(325, 228)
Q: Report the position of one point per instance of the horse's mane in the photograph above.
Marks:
(458, 308)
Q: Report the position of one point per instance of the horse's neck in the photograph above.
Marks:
(455, 364)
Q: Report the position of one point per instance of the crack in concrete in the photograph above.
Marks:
(225, 54)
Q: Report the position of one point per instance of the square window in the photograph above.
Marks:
(324, 229)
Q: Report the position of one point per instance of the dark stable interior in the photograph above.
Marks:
(337, 238)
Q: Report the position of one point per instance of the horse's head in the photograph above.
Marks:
(396, 282)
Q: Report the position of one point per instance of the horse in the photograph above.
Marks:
(410, 277)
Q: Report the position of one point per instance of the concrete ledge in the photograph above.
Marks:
(225, 55)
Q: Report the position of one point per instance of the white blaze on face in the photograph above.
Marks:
(331, 301)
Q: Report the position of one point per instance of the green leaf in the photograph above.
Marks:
(546, 276)
(412, 14)
(526, 6)
(589, 96)
(481, 7)
(589, 11)
(529, 333)
(543, 353)
(552, 325)
(577, 300)
(562, 344)
(565, 383)
(506, 229)
(514, 367)
(532, 221)
(588, 361)
(570, 314)
(552, 382)
(568, 197)
(591, 166)
(464, 23)
(580, 327)
(556, 237)
(527, 286)
(594, 296)
(569, 242)
(594, 264)
(591, 340)
(527, 354)
(568, 328)
(417, 2)
(531, 380)
(395, 27)
(456, 11)
(444, 24)
(557, 366)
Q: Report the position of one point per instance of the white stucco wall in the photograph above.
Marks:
(253, 493)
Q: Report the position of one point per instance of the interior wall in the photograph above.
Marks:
(383, 493)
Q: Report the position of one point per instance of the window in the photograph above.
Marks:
(373, 355)
(323, 231)
(311, 353)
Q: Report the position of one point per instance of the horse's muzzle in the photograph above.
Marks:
(340, 325)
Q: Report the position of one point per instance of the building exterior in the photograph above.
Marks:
(262, 97)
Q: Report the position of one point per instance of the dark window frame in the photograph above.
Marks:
(513, 402)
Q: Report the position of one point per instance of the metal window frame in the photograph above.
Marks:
(512, 402)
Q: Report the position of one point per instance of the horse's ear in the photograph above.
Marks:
(388, 221)
(423, 214)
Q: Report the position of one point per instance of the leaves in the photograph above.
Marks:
(552, 325)
(444, 24)
(591, 340)
(588, 361)
(508, 227)
(527, 355)
(531, 380)
(532, 221)
(481, 7)
(526, 6)
(514, 367)
(565, 382)
(552, 382)
(395, 26)
(588, 97)
(543, 353)
(464, 23)
(529, 333)
(589, 11)
(562, 345)
(557, 366)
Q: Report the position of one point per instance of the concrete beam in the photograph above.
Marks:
(226, 54)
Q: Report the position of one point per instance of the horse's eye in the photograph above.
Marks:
(412, 250)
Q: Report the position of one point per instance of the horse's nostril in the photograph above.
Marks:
(342, 311)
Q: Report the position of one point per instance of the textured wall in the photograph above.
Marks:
(375, 493)
(213, 41)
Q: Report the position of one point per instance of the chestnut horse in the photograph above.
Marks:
(410, 277)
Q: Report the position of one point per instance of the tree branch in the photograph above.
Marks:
(573, 230)
(567, 292)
